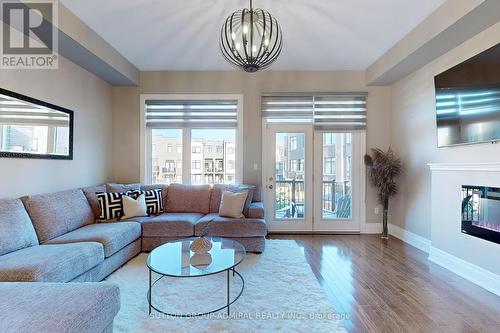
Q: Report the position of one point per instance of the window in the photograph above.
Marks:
(163, 160)
(337, 175)
(169, 167)
(196, 179)
(209, 179)
(279, 167)
(209, 165)
(215, 164)
(328, 166)
(300, 165)
(196, 164)
(293, 165)
(219, 179)
(328, 139)
(293, 143)
(219, 165)
(192, 140)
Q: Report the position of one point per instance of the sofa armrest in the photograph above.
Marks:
(256, 210)
(58, 307)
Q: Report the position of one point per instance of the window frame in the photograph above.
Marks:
(146, 138)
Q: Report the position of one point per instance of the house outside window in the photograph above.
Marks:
(204, 155)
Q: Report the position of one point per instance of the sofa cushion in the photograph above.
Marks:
(216, 196)
(153, 198)
(232, 204)
(113, 236)
(188, 199)
(91, 195)
(57, 213)
(115, 187)
(257, 194)
(50, 263)
(111, 205)
(133, 207)
(58, 307)
(162, 187)
(230, 227)
(169, 224)
(256, 210)
(16, 230)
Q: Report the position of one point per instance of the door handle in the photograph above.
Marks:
(270, 187)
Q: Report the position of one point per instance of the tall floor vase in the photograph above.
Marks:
(385, 217)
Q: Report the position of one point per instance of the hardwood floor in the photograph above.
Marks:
(389, 286)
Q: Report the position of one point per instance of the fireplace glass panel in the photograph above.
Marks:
(481, 212)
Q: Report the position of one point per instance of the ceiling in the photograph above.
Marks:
(318, 34)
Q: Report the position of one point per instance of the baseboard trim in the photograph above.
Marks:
(415, 240)
(468, 271)
(371, 228)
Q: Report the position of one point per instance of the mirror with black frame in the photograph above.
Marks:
(30, 128)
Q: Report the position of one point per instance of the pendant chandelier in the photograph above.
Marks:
(251, 39)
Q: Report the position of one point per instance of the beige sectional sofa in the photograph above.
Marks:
(189, 208)
(55, 238)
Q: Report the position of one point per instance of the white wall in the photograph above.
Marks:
(91, 99)
(126, 157)
(413, 135)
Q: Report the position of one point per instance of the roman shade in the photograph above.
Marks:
(192, 113)
(326, 111)
(287, 108)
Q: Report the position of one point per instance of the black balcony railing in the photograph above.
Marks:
(290, 198)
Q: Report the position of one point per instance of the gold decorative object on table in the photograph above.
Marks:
(202, 244)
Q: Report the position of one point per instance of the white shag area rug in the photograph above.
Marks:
(281, 295)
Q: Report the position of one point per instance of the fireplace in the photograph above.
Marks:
(481, 212)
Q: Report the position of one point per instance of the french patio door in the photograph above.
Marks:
(313, 180)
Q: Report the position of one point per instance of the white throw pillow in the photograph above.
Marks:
(232, 204)
(134, 207)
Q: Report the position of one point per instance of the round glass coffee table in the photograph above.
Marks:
(175, 259)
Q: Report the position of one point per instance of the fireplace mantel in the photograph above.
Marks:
(470, 257)
(467, 166)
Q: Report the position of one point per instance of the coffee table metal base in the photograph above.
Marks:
(227, 306)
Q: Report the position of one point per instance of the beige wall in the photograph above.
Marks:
(413, 135)
(91, 99)
(126, 128)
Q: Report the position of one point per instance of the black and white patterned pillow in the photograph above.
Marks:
(154, 200)
(110, 204)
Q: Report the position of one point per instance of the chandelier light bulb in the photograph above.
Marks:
(251, 39)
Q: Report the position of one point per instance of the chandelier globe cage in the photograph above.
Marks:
(251, 39)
